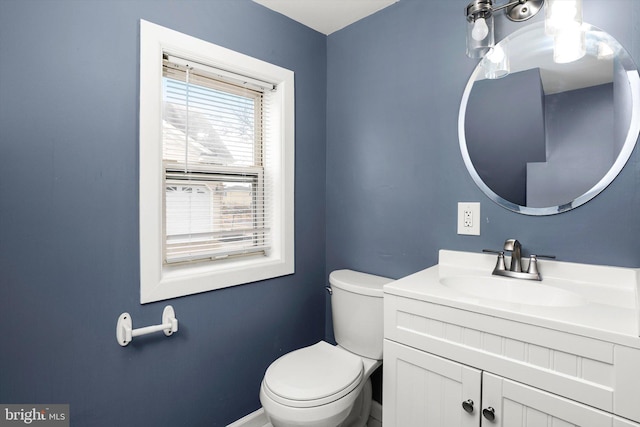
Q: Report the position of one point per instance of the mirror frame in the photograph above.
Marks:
(625, 153)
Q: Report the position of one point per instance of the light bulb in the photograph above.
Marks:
(480, 30)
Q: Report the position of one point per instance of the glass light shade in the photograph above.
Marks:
(569, 44)
(496, 63)
(562, 13)
(480, 38)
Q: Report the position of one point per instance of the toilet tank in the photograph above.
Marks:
(357, 312)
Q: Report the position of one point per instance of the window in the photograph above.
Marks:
(216, 166)
(213, 161)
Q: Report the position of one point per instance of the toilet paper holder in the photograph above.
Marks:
(125, 332)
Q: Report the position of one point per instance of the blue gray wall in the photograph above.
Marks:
(69, 214)
(392, 178)
(394, 169)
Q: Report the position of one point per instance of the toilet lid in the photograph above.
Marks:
(359, 283)
(318, 372)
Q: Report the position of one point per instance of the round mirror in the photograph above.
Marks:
(540, 137)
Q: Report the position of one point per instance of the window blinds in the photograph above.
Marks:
(216, 196)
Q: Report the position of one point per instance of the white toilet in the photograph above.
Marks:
(324, 385)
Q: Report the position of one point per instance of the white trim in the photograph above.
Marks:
(254, 419)
(158, 282)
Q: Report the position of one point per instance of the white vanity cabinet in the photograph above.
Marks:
(427, 390)
(421, 389)
(436, 357)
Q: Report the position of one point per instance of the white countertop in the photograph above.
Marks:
(608, 307)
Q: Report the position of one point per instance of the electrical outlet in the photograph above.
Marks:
(469, 218)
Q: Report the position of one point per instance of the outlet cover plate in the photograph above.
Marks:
(469, 218)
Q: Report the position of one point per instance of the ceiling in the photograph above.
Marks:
(326, 16)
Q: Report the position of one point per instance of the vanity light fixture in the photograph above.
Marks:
(480, 38)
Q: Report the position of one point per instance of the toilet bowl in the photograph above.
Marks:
(317, 386)
(323, 385)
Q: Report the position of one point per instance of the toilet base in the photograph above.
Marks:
(361, 410)
(355, 415)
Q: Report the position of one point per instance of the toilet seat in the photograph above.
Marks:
(313, 376)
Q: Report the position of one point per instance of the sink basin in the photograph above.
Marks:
(512, 291)
(592, 300)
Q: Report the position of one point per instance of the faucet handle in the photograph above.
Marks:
(491, 251)
(533, 265)
(500, 265)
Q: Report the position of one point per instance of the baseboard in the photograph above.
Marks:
(254, 419)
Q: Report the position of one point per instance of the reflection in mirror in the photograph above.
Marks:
(549, 137)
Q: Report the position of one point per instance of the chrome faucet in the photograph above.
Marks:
(513, 246)
(515, 269)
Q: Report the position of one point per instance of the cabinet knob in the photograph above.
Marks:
(468, 405)
(489, 413)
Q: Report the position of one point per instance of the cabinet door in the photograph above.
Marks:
(517, 405)
(422, 390)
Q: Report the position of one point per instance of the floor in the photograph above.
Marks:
(372, 423)
(258, 418)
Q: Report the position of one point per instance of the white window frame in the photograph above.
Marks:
(157, 281)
